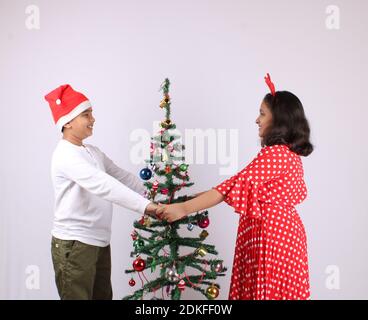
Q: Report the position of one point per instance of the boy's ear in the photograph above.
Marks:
(67, 125)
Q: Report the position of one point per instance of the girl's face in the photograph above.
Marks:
(264, 119)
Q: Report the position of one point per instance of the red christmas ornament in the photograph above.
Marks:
(142, 221)
(139, 264)
(152, 149)
(155, 186)
(164, 191)
(132, 282)
(181, 285)
(134, 235)
(204, 223)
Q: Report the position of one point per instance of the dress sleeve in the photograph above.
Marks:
(241, 190)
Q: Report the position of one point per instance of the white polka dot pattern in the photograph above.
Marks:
(270, 259)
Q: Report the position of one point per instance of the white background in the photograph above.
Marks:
(215, 53)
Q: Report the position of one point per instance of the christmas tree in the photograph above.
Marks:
(158, 245)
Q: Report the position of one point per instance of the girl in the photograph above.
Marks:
(270, 259)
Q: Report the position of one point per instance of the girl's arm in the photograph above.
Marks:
(176, 211)
(203, 201)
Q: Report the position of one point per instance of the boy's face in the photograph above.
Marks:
(82, 125)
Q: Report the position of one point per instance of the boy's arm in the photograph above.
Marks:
(125, 177)
(103, 185)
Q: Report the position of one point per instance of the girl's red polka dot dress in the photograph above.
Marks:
(270, 260)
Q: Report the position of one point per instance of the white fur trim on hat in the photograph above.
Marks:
(71, 115)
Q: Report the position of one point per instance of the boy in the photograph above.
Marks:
(86, 183)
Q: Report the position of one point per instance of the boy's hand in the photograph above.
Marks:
(171, 212)
(151, 209)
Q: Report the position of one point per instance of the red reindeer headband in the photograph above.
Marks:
(270, 84)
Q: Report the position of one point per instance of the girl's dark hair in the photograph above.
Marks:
(289, 124)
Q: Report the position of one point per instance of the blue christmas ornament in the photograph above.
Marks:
(190, 226)
(145, 174)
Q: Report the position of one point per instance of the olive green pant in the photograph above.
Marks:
(82, 271)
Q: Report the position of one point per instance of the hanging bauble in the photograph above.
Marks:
(168, 287)
(190, 226)
(165, 191)
(147, 222)
(181, 285)
(172, 276)
(183, 167)
(153, 264)
(164, 156)
(152, 148)
(170, 147)
(212, 291)
(141, 221)
(145, 174)
(163, 103)
(155, 185)
(218, 267)
(139, 264)
(201, 251)
(139, 243)
(134, 235)
(167, 169)
(166, 124)
(203, 235)
(204, 222)
(132, 282)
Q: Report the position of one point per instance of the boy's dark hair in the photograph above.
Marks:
(289, 124)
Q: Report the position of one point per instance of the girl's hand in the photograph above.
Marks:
(171, 212)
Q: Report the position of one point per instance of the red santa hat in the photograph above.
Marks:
(66, 104)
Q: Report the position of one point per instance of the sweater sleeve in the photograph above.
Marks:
(102, 184)
(125, 177)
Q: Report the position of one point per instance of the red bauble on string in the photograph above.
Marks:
(155, 185)
(181, 285)
(132, 282)
(204, 223)
(134, 235)
(165, 191)
(139, 264)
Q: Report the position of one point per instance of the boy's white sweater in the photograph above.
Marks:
(86, 183)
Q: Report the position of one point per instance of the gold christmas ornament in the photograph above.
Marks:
(201, 251)
(163, 103)
(147, 222)
(164, 156)
(212, 291)
(203, 235)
